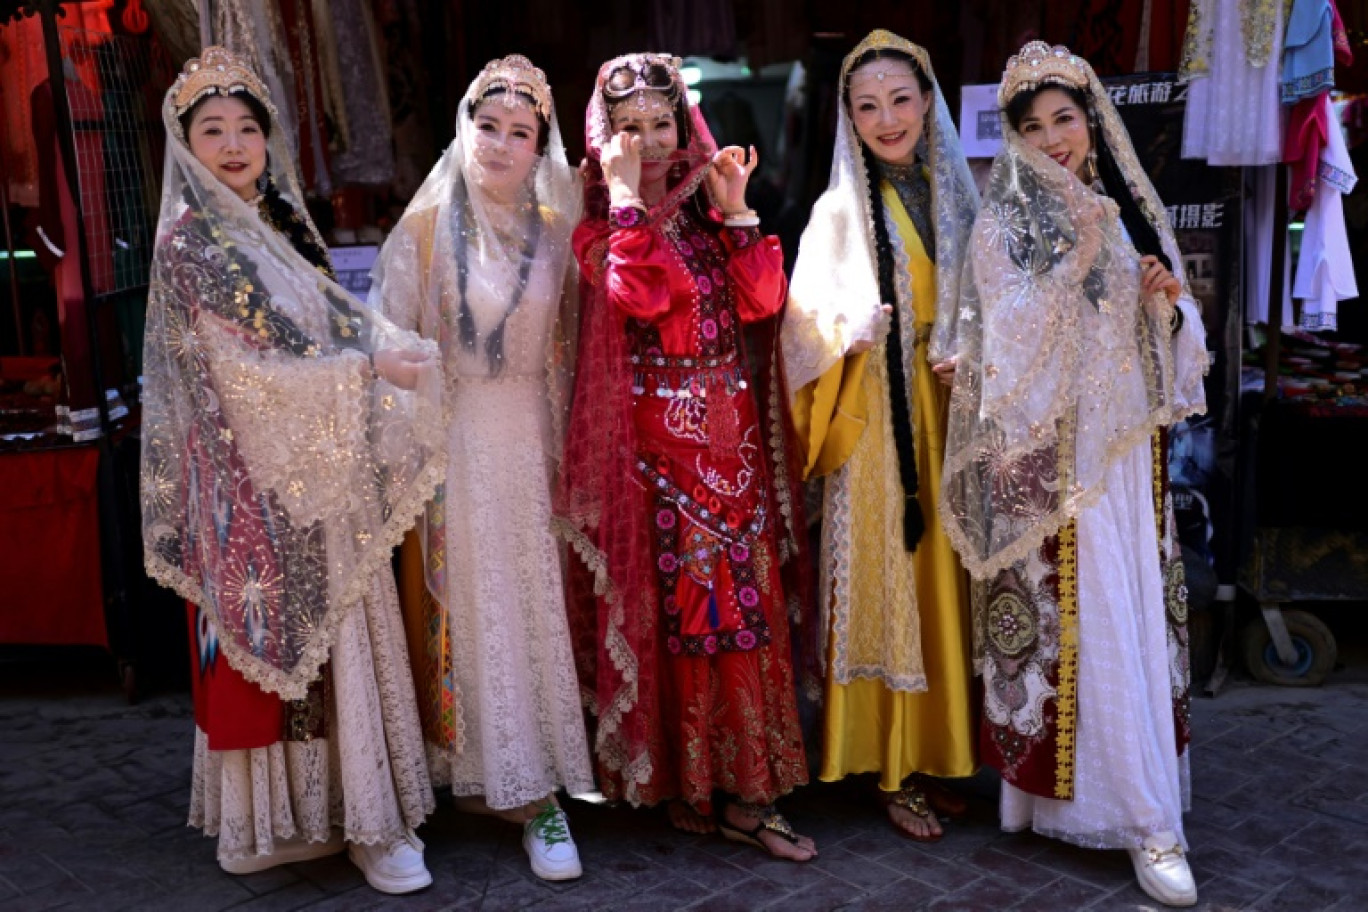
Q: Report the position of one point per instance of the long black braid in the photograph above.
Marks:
(899, 407)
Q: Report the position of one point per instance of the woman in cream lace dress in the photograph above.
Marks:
(480, 263)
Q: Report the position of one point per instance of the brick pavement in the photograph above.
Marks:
(93, 799)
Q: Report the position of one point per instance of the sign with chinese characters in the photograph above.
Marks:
(353, 268)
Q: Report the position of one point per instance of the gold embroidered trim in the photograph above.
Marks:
(1067, 699)
(1157, 461)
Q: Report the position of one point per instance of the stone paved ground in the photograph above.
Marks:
(93, 802)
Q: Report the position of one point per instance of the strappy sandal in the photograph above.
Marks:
(771, 821)
(945, 801)
(913, 799)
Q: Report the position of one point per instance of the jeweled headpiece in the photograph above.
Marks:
(217, 71)
(516, 75)
(1038, 64)
(883, 40)
(651, 73)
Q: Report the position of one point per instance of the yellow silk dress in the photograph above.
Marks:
(926, 724)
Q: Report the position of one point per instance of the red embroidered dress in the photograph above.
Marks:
(676, 494)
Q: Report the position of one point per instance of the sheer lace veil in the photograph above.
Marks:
(456, 240)
(277, 473)
(1064, 364)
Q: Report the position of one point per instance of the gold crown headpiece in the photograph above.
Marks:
(515, 75)
(1038, 64)
(646, 79)
(217, 71)
(883, 40)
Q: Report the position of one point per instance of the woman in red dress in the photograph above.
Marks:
(675, 492)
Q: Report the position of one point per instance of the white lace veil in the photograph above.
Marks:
(277, 472)
(1053, 331)
(455, 242)
(834, 294)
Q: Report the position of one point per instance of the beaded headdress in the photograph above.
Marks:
(217, 71)
(516, 75)
(1038, 64)
(647, 77)
(883, 40)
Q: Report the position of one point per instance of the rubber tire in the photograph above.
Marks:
(1313, 640)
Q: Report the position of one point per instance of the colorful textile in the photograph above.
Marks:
(1308, 51)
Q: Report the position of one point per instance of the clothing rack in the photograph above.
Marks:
(118, 518)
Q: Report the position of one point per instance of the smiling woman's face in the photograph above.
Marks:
(228, 139)
(888, 109)
(1057, 126)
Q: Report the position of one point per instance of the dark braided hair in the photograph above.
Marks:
(1142, 232)
(900, 408)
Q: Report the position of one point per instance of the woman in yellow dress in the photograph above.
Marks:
(869, 314)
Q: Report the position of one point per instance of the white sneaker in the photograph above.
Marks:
(394, 868)
(546, 839)
(1162, 871)
(286, 851)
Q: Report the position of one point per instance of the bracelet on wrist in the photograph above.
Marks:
(630, 214)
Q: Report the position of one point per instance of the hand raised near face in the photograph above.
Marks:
(621, 162)
(728, 175)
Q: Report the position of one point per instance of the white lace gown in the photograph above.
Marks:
(368, 776)
(1129, 781)
(522, 722)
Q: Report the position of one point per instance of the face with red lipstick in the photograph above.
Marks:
(888, 107)
(228, 138)
(1057, 125)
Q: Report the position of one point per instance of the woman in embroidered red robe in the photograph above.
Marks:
(675, 492)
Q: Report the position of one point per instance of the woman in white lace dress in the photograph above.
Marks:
(1078, 348)
(287, 444)
(480, 263)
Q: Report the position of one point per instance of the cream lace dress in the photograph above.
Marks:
(522, 726)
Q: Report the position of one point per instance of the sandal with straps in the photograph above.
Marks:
(944, 800)
(771, 821)
(912, 799)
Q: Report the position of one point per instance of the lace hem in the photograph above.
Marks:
(637, 770)
(295, 684)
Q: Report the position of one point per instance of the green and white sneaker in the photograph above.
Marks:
(547, 841)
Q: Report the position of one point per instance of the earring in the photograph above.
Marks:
(1093, 174)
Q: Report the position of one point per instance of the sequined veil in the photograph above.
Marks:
(277, 471)
(1050, 315)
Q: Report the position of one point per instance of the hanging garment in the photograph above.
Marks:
(1260, 223)
(1307, 128)
(1325, 267)
(369, 155)
(1233, 116)
(1309, 52)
